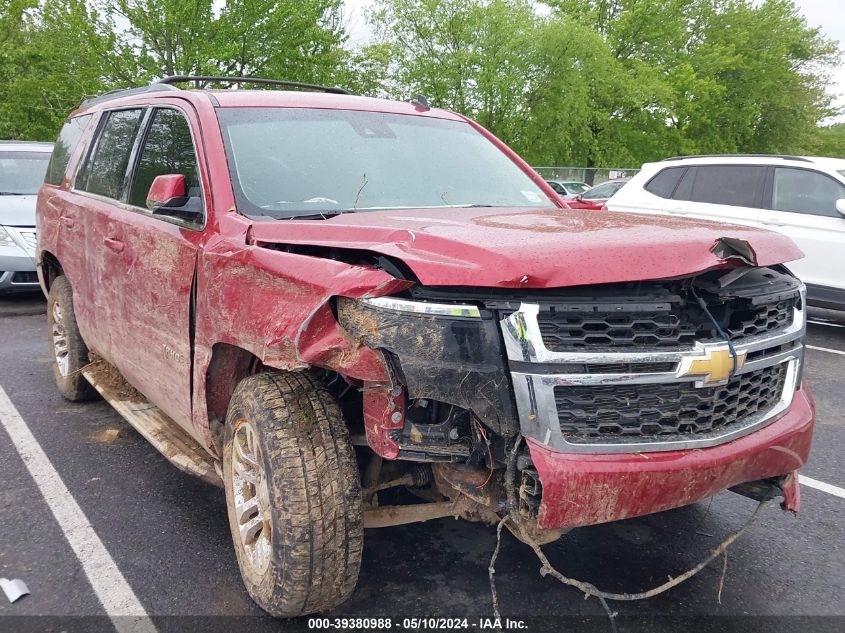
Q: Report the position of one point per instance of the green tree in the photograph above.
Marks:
(263, 38)
(758, 80)
(726, 75)
(470, 55)
(162, 37)
(830, 141)
(51, 57)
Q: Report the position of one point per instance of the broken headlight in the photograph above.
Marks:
(424, 307)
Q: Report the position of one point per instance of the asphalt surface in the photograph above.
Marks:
(168, 535)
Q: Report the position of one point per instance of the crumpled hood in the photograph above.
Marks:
(17, 210)
(530, 248)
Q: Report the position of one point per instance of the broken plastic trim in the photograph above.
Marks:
(733, 248)
(421, 307)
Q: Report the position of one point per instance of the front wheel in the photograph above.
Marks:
(70, 354)
(293, 494)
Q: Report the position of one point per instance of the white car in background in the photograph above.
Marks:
(801, 197)
(22, 168)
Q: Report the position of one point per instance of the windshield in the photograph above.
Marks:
(290, 162)
(22, 173)
(576, 187)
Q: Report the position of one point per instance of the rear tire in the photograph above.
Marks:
(70, 354)
(293, 494)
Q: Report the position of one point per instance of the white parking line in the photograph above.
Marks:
(118, 599)
(826, 349)
(836, 491)
(825, 323)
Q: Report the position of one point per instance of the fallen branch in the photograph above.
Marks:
(588, 589)
(491, 570)
(591, 590)
(722, 578)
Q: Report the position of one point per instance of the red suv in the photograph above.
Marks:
(311, 297)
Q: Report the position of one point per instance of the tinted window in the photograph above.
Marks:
(63, 149)
(168, 149)
(735, 185)
(22, 173)
(664, 183)
(288, 162)
(105, 170)
(805, 191)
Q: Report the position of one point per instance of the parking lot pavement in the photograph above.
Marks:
(31, 303)
(168, 537)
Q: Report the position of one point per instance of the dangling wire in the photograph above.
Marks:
(734, 355)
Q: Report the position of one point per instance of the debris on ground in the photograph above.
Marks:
(14, 588)
(588, 589)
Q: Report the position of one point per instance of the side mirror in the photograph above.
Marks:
(840, 206)
(578, 197)
(168, 195)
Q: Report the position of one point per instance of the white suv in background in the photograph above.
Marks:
(802, 197)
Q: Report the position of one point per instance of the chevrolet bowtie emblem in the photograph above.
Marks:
(714, 364)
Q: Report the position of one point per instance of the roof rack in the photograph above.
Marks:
(782, 156)
(167, 81)
(128, 92)
(167, 84)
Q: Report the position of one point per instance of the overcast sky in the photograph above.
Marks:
(828, 14)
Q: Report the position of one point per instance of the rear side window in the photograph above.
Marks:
(105, 170)
(168, 149)
(665, 182)
(805, 191)
(734, 185)
(64, 147)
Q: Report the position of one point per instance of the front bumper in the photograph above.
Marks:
(17, 262)
(17, 273)
(588, 488)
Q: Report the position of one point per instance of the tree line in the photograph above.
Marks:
(595, 83)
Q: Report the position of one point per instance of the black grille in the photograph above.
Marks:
(566, 331)
(642, 411)
(760, 319)
(26, 277)
(675, 325)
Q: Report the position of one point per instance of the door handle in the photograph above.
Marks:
(68, 222)
(771, 223)
(113, 244)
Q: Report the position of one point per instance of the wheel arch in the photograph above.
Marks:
(229, 365)
(49, 268)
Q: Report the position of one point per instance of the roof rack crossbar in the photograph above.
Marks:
(782, 156)
(167, 81)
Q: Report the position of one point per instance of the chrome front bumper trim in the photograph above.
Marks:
(534, 388)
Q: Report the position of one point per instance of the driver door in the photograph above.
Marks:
(155, 266)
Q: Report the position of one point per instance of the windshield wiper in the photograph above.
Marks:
(13, 193)
(319, 215)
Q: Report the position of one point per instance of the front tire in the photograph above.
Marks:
(293, 494)
(70, 354)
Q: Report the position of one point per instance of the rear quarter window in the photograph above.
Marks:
(665, 182)
(734, 185)
(63, 149)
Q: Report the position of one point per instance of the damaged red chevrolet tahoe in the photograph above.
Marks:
(310, 297)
